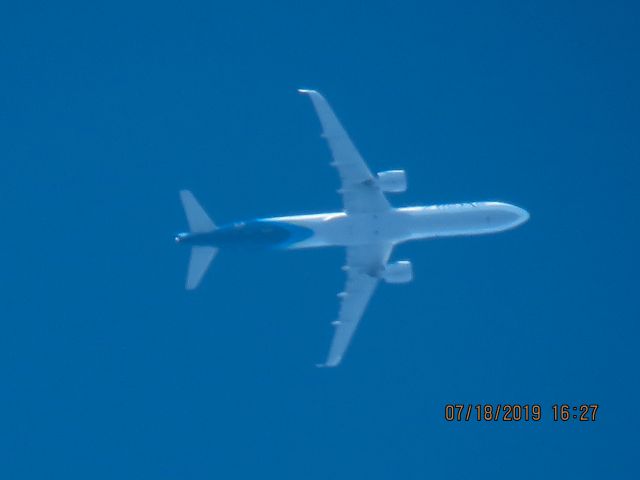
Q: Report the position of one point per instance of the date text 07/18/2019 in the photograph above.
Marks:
(514, 412)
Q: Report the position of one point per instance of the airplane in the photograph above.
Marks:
(368, 228)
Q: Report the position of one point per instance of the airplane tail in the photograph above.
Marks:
(199, 222)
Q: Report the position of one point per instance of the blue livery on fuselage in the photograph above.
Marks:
(253, 234)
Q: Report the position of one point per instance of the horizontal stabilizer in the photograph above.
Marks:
(199, 262)
(199, 221)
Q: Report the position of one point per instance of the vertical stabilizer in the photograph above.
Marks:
(199, 262)
(199, 221)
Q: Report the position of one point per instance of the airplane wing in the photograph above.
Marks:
(364, 263)
(360, 194)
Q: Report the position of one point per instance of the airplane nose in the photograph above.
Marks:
(514, 216)
(521, 215)
(508, 216)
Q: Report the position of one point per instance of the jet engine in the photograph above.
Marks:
(394, 181)
(398, 272)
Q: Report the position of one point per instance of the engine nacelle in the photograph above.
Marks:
(394, 181)
(398, 272)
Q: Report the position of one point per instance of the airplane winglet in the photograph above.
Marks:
(324, 365)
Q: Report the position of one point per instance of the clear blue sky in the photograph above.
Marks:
(109, 369)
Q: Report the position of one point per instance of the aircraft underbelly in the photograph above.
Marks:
(340, 229)
(461, 219)
(348, 230)
(403, 224)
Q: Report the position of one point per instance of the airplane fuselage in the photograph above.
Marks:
(394, 226)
